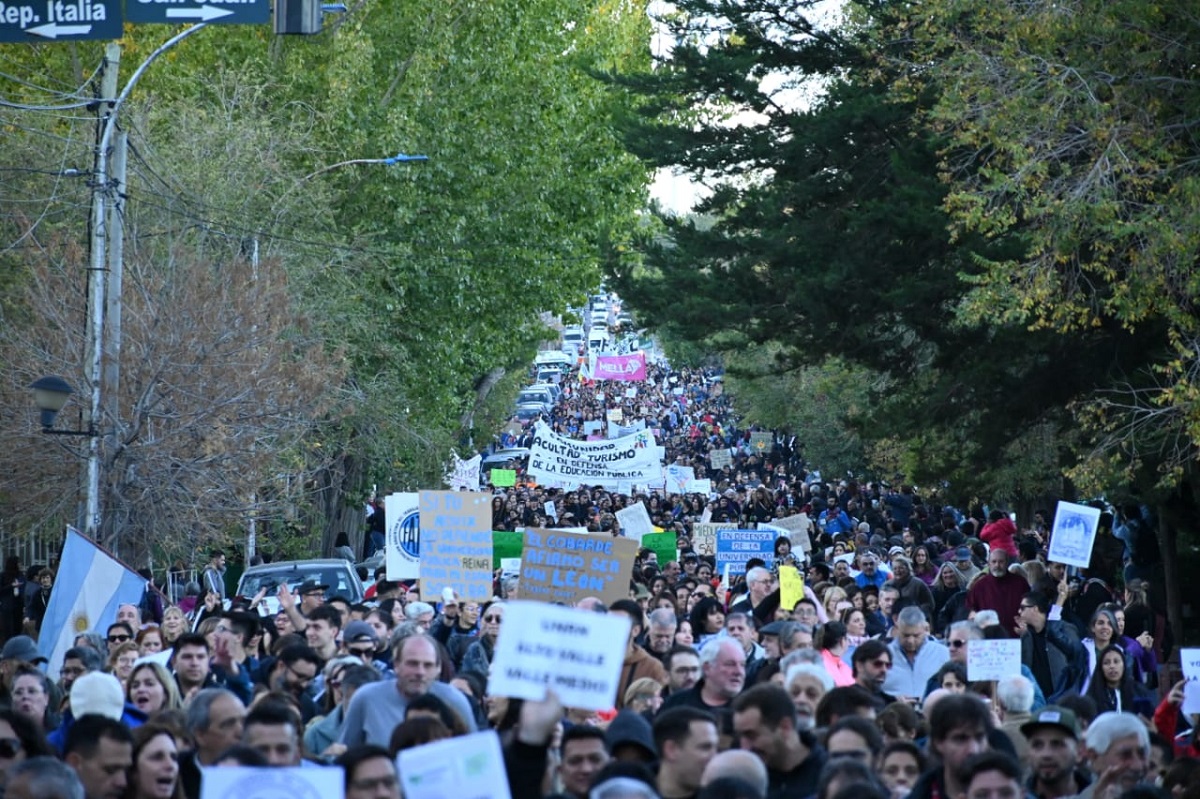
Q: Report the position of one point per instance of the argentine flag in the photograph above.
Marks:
(90, 585)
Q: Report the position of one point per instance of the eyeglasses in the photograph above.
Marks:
(303, 679)
(956, 644)
(1023, 606)
(362, 653)
(9, 747)
(118, 639)
(493, 619)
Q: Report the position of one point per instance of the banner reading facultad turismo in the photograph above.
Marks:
(558, 460)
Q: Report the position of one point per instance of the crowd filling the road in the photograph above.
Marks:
(857, 687)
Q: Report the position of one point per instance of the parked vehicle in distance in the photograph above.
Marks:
(336, 573)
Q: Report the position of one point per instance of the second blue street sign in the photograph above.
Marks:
(216, 12)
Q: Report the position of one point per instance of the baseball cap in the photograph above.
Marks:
(359, 632)
(962, 553)
(1053, 716)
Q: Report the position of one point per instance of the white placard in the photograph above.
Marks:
(1074, 534)
(245, 782)
(551, 511)
(578, 653)
(510, 567)
(464, 475)
(592, 427)
(599, 396)
(467, 766)
(402, 513)
(678, 477)
(635, 521)
(700, 487)
(992, 660)
(631, 393)
(1190, 660)
(798, 527)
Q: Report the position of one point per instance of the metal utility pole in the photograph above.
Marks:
(97, 280)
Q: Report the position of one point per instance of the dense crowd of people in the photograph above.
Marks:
(858, 689)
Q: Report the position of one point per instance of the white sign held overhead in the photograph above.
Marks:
(635, 521)
(571, 463)
(466, 766)
(549, 646)
(246, 782)
(402, 512)
(1074, 534)
(993, 660)
(464, 475)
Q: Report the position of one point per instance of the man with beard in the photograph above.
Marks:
(723, 666)
(999, 590)
(661, 635)
(378, 708)
(765, 723)
(1053, 736)
(683, 668)
(807, 684)
(872, 661)
(1118, 750)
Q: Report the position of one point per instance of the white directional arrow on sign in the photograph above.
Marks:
(204, 13)
(52, 30)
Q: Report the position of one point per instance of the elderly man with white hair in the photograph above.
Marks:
(760, 582)
(1014, 698)
(807, 684)
(1118, 752)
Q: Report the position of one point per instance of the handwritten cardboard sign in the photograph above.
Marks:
(664, 544)
(558, 566)
(456, 544)
(704, 536)
(993, 660)
(578, 653)
(720, 458)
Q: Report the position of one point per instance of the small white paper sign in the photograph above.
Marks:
(592, 427)
(700, 486)
(599, 396)
(992, 660)
(245, 782)
(1190, 660)
(1074, 534)
(470, 765)
(551, 511)
(635, 521)
(1191, 698)
(630, 393)
(510, 567)
(576, 652)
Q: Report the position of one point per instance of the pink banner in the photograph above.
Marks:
(630, 368)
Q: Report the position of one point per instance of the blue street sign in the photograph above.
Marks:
(59, 20)
(214, 12)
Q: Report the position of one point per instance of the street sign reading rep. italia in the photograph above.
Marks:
(214, 12)
(59, 20)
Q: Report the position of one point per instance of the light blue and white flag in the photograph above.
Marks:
(90, 586)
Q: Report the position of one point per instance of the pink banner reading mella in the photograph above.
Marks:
(630, 368)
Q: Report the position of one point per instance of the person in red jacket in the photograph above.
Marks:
(1000, 533)
(1166, 720)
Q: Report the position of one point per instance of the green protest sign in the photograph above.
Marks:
(506, 545)
(662, 543)
(503, 478)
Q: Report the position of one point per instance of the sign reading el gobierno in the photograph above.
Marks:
(558, 566)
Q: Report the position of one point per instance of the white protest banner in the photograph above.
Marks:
(798, 528)
(569, 650)
(551, 511)
(247, 782)
(635, 521)
(631, 393)
(720, 458)
(571, 463)
(456, 544)
(592, 426)
(678, 477)
(402, 513)
(993, 660)
(466, 766)
(706, 517)
(1189, 659)
(700, 487)
(464, 475)
(615, 415)
(1074, 534)
(510, 567)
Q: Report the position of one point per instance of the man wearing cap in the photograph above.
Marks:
(359, 640)
(95, 693)
(312, 596)
(966, 568)
(1053, 737)
(18, 649)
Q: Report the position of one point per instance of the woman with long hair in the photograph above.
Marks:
(149, 640)
(832, 599)
(708, 620)
(1103, 629)
(949, 598)
(855, 621)
(174, 624)
(31, 697)
(121, 659)
(1113, 687)
(155, 771)
(151, 689)
(923, 566)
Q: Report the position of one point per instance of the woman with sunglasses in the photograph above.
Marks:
(20, 739)
(479, 654)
